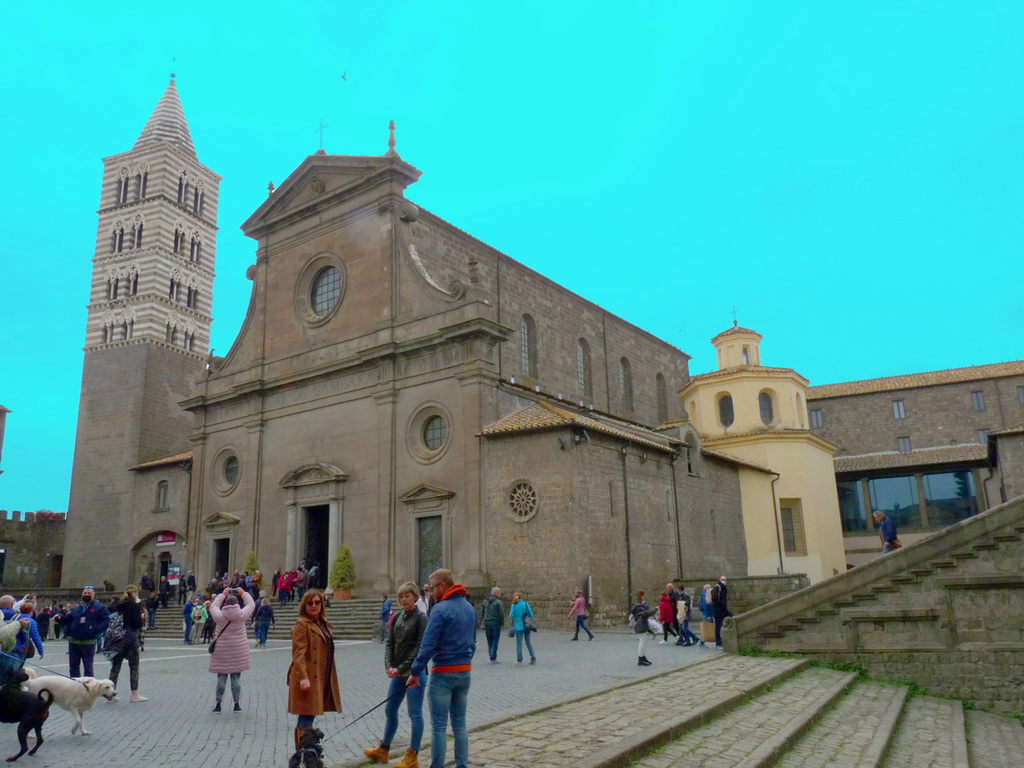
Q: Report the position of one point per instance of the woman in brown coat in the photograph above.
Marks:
(312, 677)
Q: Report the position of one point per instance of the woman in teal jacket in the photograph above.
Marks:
(521, 610)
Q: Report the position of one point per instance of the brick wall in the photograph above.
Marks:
(33, 551)
(1011, 464)
(935, 416)
(579, 529)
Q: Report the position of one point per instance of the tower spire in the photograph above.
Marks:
(167, 123)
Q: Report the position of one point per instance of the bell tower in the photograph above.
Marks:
(147, 336)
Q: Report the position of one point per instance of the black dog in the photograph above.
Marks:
(309, 754)
(28, 710)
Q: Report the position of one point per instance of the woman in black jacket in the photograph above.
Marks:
(640, 613)
(126, 646)
(404, 637)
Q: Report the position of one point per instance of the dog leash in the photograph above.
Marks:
(38, 666)
(378, 706)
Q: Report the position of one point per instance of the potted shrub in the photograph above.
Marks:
(343, 574)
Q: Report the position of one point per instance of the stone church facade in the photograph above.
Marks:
(405, 389)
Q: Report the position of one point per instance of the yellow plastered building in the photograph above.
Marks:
(758, 414)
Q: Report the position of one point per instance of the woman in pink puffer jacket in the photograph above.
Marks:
(231, 654)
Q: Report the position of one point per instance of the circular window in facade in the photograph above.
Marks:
(522, 501)
(326, 291)
(429, 434)
(435, 432)
(231, 470)
(227, 469)
(320, 289)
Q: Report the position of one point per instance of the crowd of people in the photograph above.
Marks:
(436, 622)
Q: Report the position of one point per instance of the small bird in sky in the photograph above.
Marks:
(343, 76)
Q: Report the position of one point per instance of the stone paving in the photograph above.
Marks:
(924, 737)
(994, 741)
(737, 734)
(845, 735)
(176, 728)
(569, 733)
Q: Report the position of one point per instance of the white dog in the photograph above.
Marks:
(77, 695)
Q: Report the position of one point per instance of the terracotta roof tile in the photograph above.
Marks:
(735, 460)
(175, 459)
(759, 369)
(736, 329)
(912, 380)
(945, 454)
(1016, 429)
(546, 416)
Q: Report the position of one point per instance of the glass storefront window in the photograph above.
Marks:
(949, 498)
(897, 497)
(852, 511)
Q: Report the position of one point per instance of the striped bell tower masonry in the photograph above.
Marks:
(147, 337)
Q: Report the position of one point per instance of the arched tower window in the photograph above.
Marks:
(122, 186)
(192, 299)
(625, 385)
(583, 377)
(662, 388)
(764, 401)
(141, 177)
(175, 284)
(183, 188)
(113, 278)
(117, 237)
(196, 246)
(726, 415)
(137, 232)
(528, 346)
(161, 495)
(197, 198)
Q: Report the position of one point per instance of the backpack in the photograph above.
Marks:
(115, 629)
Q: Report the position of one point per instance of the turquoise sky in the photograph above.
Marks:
(849, 176)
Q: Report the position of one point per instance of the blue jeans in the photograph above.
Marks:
(261, 631)
(581, 623)
(520, 634)
(493, 632)
(449, 694)
(305, 721)
(188, 631)
(687, 635)
(718, 630)
(397, 691)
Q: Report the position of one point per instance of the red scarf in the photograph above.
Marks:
(453, 590)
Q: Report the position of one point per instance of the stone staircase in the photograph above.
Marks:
(754, 712)
(351, 620)
(946, 613)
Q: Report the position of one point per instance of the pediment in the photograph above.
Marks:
(322, 180)
(312, 474)
(424, 492)
(222, 518)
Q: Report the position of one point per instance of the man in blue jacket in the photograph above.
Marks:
(450, 640)
(87, 620)
(886, 531)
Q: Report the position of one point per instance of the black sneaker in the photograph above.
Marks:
(237, 707)
(216, 707)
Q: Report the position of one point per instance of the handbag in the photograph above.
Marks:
(896, 543)
(528, 623)
(213, 645)
(511, 631)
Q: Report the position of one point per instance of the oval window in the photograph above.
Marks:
(767, 409)
(326, 291)
(231, 470)
(435, 430)
(725, 412)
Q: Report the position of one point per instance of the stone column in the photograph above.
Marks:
(383, 554)
(467, 537)
(291, 559)
(333, 534)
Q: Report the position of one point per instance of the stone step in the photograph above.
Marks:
(930, 734)
(613, 727)
(856, 731)
(994, 741)
(756, 733)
